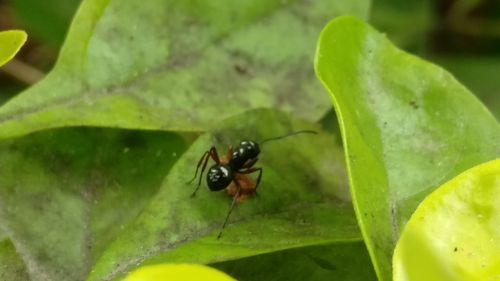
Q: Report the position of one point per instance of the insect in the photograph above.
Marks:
(231, 171)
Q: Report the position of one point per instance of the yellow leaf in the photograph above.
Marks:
(177, 272)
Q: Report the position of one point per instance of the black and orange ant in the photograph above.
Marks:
(230, 171)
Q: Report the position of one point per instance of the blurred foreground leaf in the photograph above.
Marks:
(10, 43)
(177, 272)
(455, 232)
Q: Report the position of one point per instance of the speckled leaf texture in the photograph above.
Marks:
(407, 126)
(66, 194)
(179, 65)
(297, 206)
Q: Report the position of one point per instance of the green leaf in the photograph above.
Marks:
(179, 272)
(455, 232)
(168, 57)
(337, 261)
(303, 200)
(12, 267)
(406, 124)
(66, 194)
(10, 43)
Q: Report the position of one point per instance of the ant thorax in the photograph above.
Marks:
(247, 187)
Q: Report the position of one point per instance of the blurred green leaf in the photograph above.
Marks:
(12, 267)
(407, 127)
(455, 232)
(339, 261)
(304, 200)
(66, 194)
(147, 65)
(177, 272)
(10, 43)
(46, 20)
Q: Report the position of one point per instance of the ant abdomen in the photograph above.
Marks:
(245, 151)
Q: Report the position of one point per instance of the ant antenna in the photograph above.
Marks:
(289, 135)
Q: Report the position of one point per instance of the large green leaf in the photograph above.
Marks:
(304, 200)
(10, 43)
(455, 233)
(407, 127)
(337, 261)
(65, 194)
(149, 64)
(12, 267)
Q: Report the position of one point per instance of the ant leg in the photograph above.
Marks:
(210, 153)
(198, 166)
(231, 207)
(229, 153)
(259, 177)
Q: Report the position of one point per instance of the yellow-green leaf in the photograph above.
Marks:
(10, 43)
(454, 234)
(177, 272)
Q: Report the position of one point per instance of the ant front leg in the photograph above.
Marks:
(212, 153)
(235, 197)
(252, 170)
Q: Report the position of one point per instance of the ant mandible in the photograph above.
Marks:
(234, 168)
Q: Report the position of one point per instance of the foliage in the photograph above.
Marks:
(400, 141)
(178, 272)
(165, 80)
(467, 248)
(10, 42)
(174, 56)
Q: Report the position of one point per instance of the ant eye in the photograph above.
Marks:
(219, 177)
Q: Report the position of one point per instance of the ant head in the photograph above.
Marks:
(219, 177)
(251, 147)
